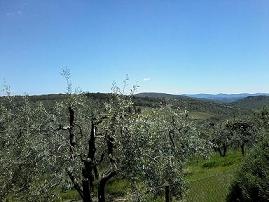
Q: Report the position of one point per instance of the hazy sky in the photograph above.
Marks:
(171, 46)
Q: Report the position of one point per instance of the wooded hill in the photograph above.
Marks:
(252, 102)
(155, 100)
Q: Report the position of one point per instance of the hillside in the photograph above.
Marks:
(199, 109)
(252, 102)
(224, 98)
(161, 95)
(192, 104)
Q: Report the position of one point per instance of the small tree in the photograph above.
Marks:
(244, 133)
(221, 138)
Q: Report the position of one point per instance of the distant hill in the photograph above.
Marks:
(252, 102)
(225, 98)
(192, 104)
(199, 109)
(162, 95)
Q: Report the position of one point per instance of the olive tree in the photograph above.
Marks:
(243, 132)
(94, 140)
(221, 138)
(158, 144)
(28, 170)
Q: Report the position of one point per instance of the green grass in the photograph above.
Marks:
(118, 187)
(70, 195)
(209, 180)
(200, 115)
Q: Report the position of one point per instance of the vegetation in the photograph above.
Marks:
(159, 145)
(252, 102)
(251, 182)
(135, 147)
(209, 179)
(28, 171)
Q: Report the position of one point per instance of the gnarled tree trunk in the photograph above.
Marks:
(102, 186)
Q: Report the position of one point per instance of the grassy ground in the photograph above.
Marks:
(200, 115)
(209, 180)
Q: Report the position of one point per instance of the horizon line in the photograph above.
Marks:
(186, 94)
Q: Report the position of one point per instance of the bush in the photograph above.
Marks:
(252, 180)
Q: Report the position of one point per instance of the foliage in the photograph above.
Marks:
(94, 138)
(28, 170)
(234, 133)
(252, 180)
(244, 132)
(158, 145)
(48, 143)
(262, 120)
(221, 138)
(252, 102)
(192, 104)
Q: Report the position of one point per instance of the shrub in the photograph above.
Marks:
(252, 180)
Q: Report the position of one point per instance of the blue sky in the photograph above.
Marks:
(198, 46)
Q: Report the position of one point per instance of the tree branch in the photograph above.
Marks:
(75, 183)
